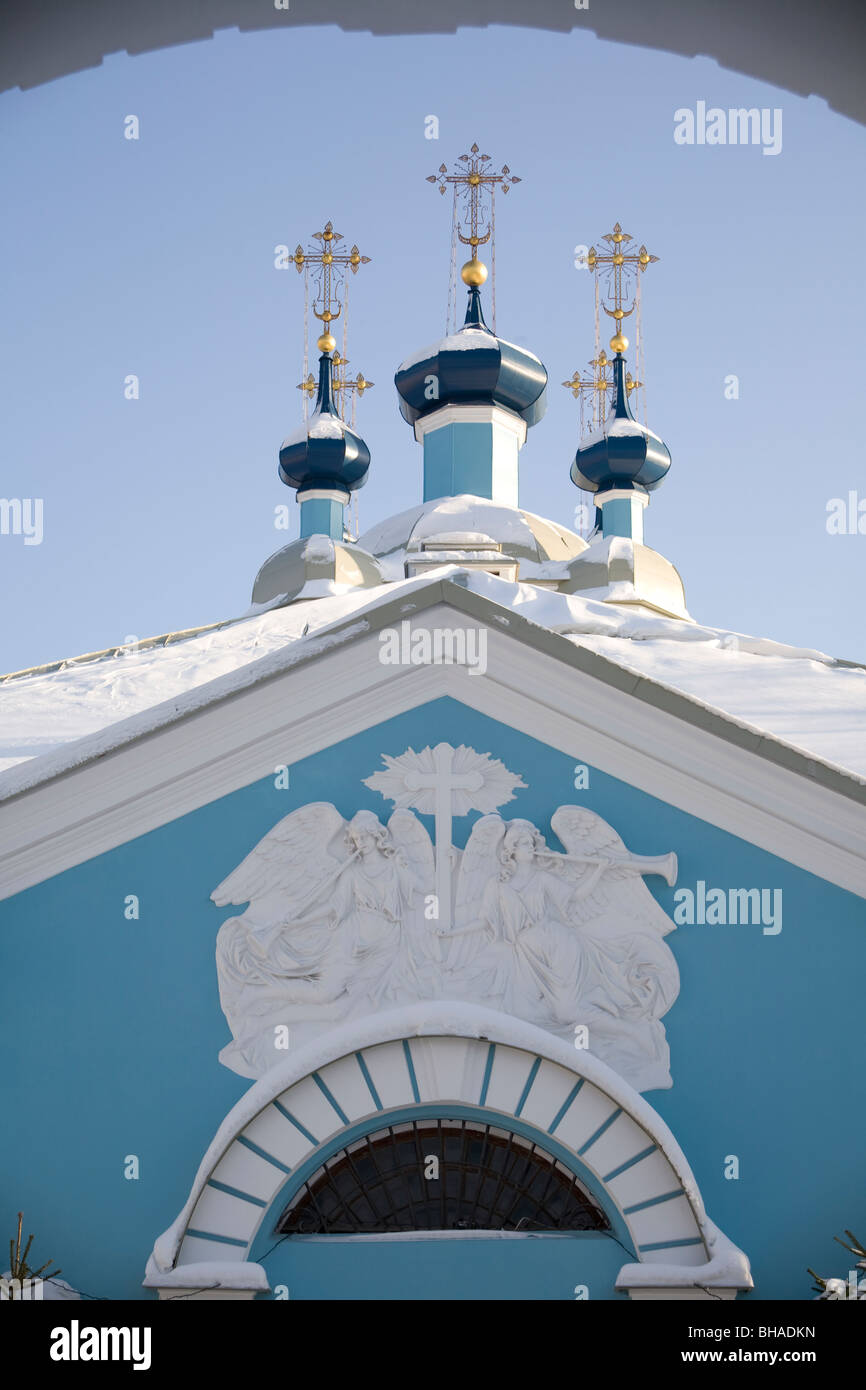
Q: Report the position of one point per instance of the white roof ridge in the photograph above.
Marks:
(346, 625)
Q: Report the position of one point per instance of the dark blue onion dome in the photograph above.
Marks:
(325, 453)
(473, 367)
(623, 453)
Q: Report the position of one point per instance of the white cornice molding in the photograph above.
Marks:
(322, 494)
(244, 735)
(472, 415)
(621, 494)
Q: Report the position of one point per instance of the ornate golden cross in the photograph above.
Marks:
(599, 381)
(341, 385)
(596, 387)
(618, 261)
(331, 265)
(474, 179)
(344, 386)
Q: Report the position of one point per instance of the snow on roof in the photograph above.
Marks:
(618, 427)
(319, 550)
(428, 520)
(798, 695)
(463, 341)
(321, 425)
(453, 538)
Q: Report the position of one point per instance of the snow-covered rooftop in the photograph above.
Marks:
(803, 697)
(509, 526)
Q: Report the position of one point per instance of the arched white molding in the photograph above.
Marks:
(458, 1054)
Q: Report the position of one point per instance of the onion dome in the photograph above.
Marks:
(623, 454)
(325, 454)
(472, 367)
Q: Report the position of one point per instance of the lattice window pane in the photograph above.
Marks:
(487, 1180)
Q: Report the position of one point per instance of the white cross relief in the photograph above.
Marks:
(445, 781)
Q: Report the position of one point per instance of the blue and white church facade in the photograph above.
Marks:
(465, 921)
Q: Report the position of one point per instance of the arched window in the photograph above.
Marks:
(441, 1175)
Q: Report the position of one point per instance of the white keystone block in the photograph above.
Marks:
(449, 1068)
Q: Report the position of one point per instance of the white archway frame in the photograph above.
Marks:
(446, 1054)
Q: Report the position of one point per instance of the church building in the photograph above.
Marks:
(464, 921)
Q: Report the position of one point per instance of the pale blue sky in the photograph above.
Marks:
(156, 257)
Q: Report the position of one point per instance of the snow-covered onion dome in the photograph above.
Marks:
(326, 461)
(623, 454)
(622, 463)
(472, 367)
(325, 453)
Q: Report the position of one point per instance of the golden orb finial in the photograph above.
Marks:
(619, 342)
(474, 272)
(326, 342)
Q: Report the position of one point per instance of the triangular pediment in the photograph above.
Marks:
(146, 771)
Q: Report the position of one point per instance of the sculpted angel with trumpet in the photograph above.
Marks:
(345, 917)
(568, 940)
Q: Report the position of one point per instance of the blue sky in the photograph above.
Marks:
(156, 257)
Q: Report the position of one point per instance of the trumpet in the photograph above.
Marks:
(663, 864)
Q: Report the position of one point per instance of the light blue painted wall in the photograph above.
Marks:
(112, 1027)
(458, 459)
(321, 516)
(538, 1268)
(619, 516)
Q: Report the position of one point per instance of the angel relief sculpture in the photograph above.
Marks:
(335, 926)
(348, 917)
(568, 940)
